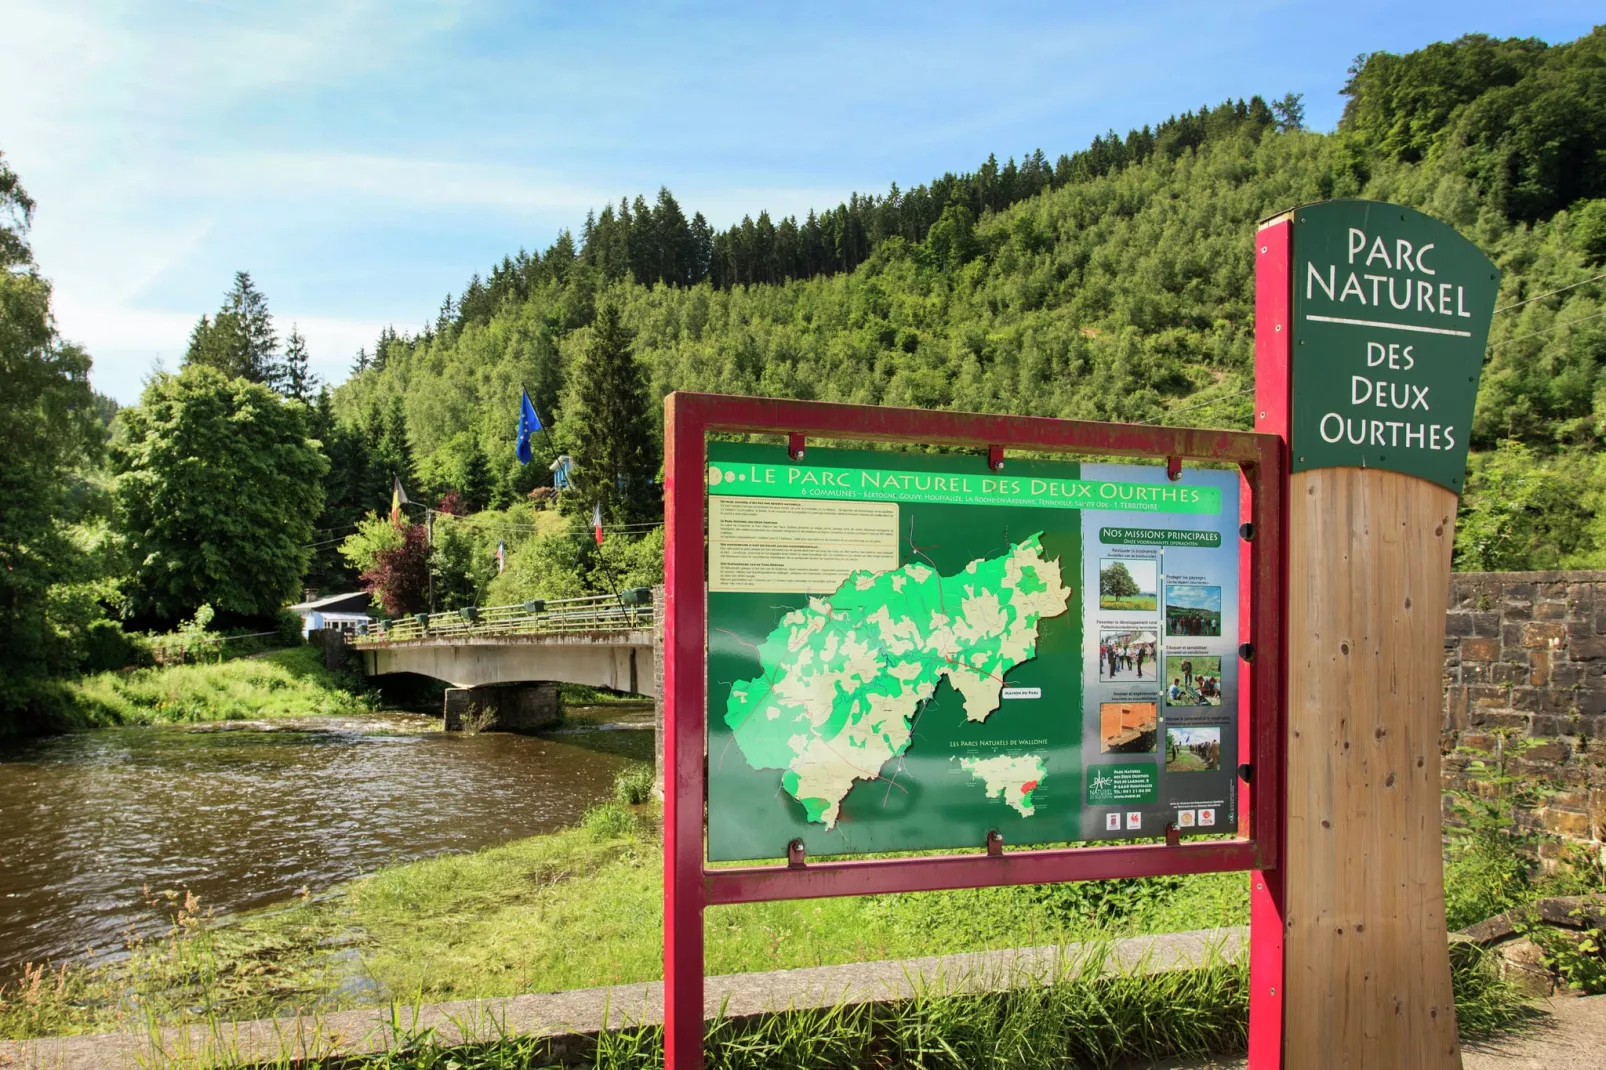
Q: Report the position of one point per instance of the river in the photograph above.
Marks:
(244, 814)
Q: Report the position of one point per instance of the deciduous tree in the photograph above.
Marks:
(48, 427)
(218, 486)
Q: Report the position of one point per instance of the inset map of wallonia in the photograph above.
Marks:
(1009, 777)
(843, 678)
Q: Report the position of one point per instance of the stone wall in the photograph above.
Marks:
(1525, 697)
(502, 707)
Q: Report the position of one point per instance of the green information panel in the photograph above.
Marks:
(1391, 315)
(907, 651)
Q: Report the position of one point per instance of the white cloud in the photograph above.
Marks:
(126, 342)
(414, 181)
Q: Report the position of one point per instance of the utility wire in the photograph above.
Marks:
(1206, 404)
(1547, 330)
(1550, 293)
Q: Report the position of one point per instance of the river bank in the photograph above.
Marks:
(282, 683)
(576, 908)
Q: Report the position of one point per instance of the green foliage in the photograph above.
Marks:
(375, 535)
(107, 647)
(607, 418)
(50, 430)
(240, 341)
(283, 683)
(1491, 861)
(550, 564)
(633, 786)
(630, 562)
(1521, 512)
(1117, 582)
(1579, 958)
(1522, 119)
(216, 490)
(1486, 1003)
(609, 821)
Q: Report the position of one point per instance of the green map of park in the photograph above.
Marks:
(843, 678)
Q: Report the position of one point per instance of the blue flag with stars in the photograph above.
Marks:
(529, 424)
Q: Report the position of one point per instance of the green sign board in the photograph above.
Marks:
(1390, 319)
(907, 651)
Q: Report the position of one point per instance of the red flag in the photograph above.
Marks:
(596, 521)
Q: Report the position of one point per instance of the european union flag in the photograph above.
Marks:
(529, 424)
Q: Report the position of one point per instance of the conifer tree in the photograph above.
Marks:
(615, 452)
(239, 341)
(295, 379)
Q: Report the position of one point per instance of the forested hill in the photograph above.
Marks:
(656, 242)
(1121, 291)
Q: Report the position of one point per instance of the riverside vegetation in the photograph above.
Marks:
(582, 907)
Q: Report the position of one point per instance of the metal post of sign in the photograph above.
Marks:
(690, 885)
(1273, 331)
(684, 705)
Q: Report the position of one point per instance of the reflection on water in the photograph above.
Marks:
(245, 814)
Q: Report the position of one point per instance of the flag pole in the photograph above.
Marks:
(612, 583)
(545, 430)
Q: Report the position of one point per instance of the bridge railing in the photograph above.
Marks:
(630, 610)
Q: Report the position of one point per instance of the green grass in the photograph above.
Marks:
(283, 683)
(1091, 1014)
(1143, 602)
(574, 909)
(582, 907)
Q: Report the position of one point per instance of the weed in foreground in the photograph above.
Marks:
(633, 786)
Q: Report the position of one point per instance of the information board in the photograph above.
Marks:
(1391, 314)
(907, 651)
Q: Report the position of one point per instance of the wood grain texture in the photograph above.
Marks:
(1368, 973)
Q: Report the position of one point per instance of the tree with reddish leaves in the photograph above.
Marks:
(399, 578)
(392, 562)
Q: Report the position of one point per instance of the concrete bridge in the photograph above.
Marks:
(504, 662)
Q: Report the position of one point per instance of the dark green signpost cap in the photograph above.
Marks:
(1391, 317)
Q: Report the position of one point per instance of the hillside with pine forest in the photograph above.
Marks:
(1115, 285)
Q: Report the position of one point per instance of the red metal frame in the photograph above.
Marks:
(690, 886)
(1274, 324)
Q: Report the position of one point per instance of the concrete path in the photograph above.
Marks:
(1572, 1038)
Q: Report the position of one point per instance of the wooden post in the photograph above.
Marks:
(1368, 967)
(1371, 526)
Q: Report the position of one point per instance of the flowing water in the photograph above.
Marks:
(243, 814)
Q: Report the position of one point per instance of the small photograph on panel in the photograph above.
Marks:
(1192, 748)
(1128, 727)
(1127, 655)
(1192, 680)
(1192, 609)
(1130, 584)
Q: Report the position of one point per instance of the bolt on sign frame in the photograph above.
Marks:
(690, 885)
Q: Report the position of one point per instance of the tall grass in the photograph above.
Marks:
(284, 683)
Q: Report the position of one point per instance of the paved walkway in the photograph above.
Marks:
(1572, 1038)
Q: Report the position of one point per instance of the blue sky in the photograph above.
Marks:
(1192, 735)
(1191, 596)
(362, 157)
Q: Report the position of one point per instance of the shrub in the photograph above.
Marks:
(107, 647)
(633, 786)
(609, 821)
